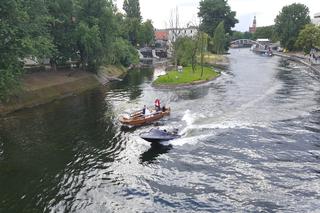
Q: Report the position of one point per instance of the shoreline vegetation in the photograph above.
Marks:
(44, 87)
(187, 77)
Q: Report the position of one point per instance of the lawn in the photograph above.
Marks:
(186, 76)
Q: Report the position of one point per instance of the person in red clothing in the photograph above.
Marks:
(157, 104)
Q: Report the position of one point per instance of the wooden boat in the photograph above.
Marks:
(157, 135)
(138, 119)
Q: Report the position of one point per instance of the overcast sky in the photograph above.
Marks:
(266, 10)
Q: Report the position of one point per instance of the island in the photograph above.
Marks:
(186, 77)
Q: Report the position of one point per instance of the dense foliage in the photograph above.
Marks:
(289, 22)
(309, 38)
(91, 32)
(23, 33)
(266, 32)
(212, 13)
(219, 39)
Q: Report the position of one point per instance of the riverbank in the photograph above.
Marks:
(44, 87)
(298, 57)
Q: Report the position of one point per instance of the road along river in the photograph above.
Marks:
(251, 142)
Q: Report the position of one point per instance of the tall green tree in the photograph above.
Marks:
(219, 39)
(62, 26)
(95, 31)
(184, 50)
(289, 22)
(309, 38)
(212, 12)
(146, 33)
(23, 33)
(203, 45)
(132, 9)
(133, 19)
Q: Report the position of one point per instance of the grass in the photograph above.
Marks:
(210, 58)
(187, 76)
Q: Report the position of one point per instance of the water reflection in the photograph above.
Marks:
(242, 151)
(49, 145)
(155, 150)
(131, 84)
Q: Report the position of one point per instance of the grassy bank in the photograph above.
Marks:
(187, 76)
(213, 59)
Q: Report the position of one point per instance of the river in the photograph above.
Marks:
(251, 143)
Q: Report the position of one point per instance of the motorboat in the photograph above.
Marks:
(139, 119)
(158, 135)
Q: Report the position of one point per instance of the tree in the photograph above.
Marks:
(309, 38)
(184, 50)
(219, 39)
(23, 33)
(146, 33)
(174, 25)
(133, 19)
(124, 53)
(289, 22)
(132, 9)
(94, 32)
(203, 48)
(62, 29)
(212, 12)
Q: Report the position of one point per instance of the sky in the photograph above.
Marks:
(159, 11)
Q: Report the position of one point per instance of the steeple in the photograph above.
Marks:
(254, 26)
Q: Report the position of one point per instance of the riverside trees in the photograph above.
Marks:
(212, 13)
(289, 22)
(83, 30)
(23, 33)
(309, 38)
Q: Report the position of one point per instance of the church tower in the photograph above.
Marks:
(254, 26)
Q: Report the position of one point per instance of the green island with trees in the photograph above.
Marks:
(198, 53)
(187, 77)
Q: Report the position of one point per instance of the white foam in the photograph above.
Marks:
(188, 117)
(189, 140)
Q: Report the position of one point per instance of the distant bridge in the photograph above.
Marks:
(245, 43)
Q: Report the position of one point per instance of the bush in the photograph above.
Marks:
(124, 53)
(9, 79)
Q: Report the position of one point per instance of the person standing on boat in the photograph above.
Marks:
(144, 110)
(157, 104)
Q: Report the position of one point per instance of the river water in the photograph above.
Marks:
(251, 143)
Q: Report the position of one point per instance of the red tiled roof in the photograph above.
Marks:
(161, 35)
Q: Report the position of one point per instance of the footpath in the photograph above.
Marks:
(298, 57)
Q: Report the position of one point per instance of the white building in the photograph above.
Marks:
(316, 19)
(175, 33)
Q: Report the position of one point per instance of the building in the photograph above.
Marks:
(254, 26)
(316, 19)
(161, 35)
(175, 33)
(166, 37)
(171, 34)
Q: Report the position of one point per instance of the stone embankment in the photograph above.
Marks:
(305, 60)
(45, 87)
